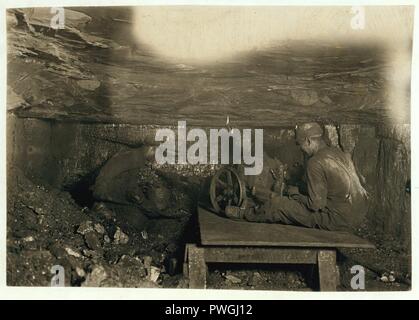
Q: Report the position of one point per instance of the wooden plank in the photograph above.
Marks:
(260, 255)
(219, 231)
(197, 269)
(328, 275)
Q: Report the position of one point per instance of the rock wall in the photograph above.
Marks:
(64, 153)
(393, 211)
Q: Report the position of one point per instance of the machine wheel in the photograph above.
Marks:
(226, 189)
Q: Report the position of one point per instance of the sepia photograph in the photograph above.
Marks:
(209, 147)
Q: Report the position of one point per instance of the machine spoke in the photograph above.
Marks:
(236, 200)
(229, 178)
(222, 183)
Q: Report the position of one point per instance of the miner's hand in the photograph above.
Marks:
(292, 191)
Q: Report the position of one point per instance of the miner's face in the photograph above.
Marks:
(307, 146)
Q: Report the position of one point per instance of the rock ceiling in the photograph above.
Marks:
(93, 71)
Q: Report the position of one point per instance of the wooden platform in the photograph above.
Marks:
(227, 241)
(219, 231)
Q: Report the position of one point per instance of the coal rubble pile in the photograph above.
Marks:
(46, 228)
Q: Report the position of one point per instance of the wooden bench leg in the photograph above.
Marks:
(197, 268)
(328, 275)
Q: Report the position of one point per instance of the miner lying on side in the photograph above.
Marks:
(335, 198)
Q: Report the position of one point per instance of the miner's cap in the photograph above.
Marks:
(308, 130)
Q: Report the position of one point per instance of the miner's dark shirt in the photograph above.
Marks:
(330, 187)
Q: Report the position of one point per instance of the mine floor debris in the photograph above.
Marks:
(46, 227)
